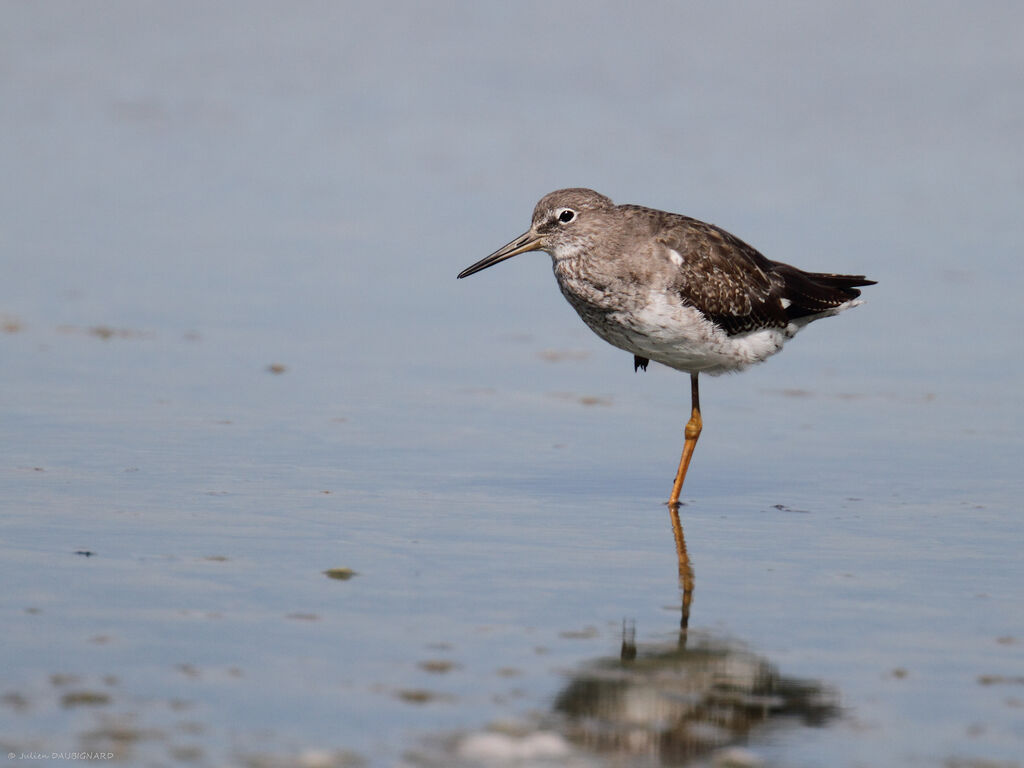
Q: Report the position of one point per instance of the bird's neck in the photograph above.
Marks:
(584, 280)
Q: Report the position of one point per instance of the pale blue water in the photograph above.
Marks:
(196, 193)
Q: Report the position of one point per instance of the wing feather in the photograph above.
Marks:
(733, 284)
(730, 282)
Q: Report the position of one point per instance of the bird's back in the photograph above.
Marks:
(732, 283)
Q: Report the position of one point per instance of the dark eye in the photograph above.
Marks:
(566, 215)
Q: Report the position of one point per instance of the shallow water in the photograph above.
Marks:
(236, 357)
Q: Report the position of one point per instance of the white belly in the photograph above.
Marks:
(678, 336)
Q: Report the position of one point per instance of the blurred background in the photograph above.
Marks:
(235, 356)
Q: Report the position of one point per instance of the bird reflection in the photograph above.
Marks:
(677, 701)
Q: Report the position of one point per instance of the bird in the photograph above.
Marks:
(674, 289)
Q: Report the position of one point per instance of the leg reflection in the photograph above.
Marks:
(628, 650)
(685, 572)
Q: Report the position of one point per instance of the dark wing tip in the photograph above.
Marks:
(840, 281)
(812, 293)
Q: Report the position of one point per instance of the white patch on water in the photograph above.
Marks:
(503, 749)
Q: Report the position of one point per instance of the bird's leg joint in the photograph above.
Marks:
(693, 426)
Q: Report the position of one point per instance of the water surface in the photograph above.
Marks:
(236, 357)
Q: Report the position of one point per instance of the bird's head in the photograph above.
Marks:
(564, 223)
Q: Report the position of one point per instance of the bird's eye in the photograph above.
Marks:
(566, 215)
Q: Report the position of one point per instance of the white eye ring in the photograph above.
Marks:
(565, 215)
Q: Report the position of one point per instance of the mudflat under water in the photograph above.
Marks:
(278, 490)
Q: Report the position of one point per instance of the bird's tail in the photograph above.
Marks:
(841, 282)
(819, 293)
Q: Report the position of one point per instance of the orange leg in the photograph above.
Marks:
(692, 432)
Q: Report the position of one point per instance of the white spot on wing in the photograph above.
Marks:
(785, 303)
(675, 256)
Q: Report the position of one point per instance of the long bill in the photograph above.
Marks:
(527, 242)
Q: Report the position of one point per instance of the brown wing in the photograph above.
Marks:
(737, 287)
(730, 282)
